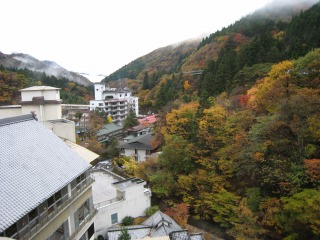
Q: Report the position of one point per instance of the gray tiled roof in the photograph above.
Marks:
(161, 224)
(39, 88)
(196, 236)
(158, 225)
(185, 235)
(141, 142)
(137, 128)
(109, 128)
(34, 164)
(179, 235)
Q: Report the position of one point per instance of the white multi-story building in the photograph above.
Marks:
(115, 102)
(45, 183)
(45, 186)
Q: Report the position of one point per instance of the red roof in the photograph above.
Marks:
(147, 120)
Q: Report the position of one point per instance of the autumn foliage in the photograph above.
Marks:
(180, 213)
(238, 161)
(313, 168)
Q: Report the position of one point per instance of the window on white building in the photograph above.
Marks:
(114, 218)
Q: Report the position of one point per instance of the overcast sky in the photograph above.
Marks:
(101, 36)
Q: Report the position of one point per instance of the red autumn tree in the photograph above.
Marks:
(180, 213)
(313, 168)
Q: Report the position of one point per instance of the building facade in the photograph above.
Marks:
(44, 101)
(109, 131)
(115, 102)
(45, 104)
(117, 199)
(140, 147)
(45, 186)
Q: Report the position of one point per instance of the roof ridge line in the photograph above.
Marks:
(16, 119)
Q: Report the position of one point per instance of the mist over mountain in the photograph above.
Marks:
(21, 61)
(162, 60)
(284, 9)
(189, 55)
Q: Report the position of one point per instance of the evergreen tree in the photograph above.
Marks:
(124, 235)
(161, 98)
(131, 120)
(146, 81)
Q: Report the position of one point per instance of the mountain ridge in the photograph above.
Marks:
(21, 60)
(275, 10)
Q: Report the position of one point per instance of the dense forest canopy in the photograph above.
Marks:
(241, 141)
(251, 162)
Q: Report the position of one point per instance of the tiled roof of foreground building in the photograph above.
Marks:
(34, 164)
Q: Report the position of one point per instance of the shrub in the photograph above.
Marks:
(127, 221)
(100, 237)
(151, 210)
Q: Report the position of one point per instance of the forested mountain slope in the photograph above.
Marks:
(161, 61)
(21, 61)
(241, 141)
(232, 59)
(13, 79)
(251, 162)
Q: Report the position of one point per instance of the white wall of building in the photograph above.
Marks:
(48, 94)
(10, 111)
(98, 90)
(96, 104)
(135, 104)
(140, 156)
(105, 97)
(44, 112)
(136, 201)
(64, 129)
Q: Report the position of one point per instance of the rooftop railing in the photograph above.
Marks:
(83, 223)
(108, 202)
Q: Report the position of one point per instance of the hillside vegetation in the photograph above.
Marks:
(22, 61)
(241, 141)
(227, 56)
(12, 80)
